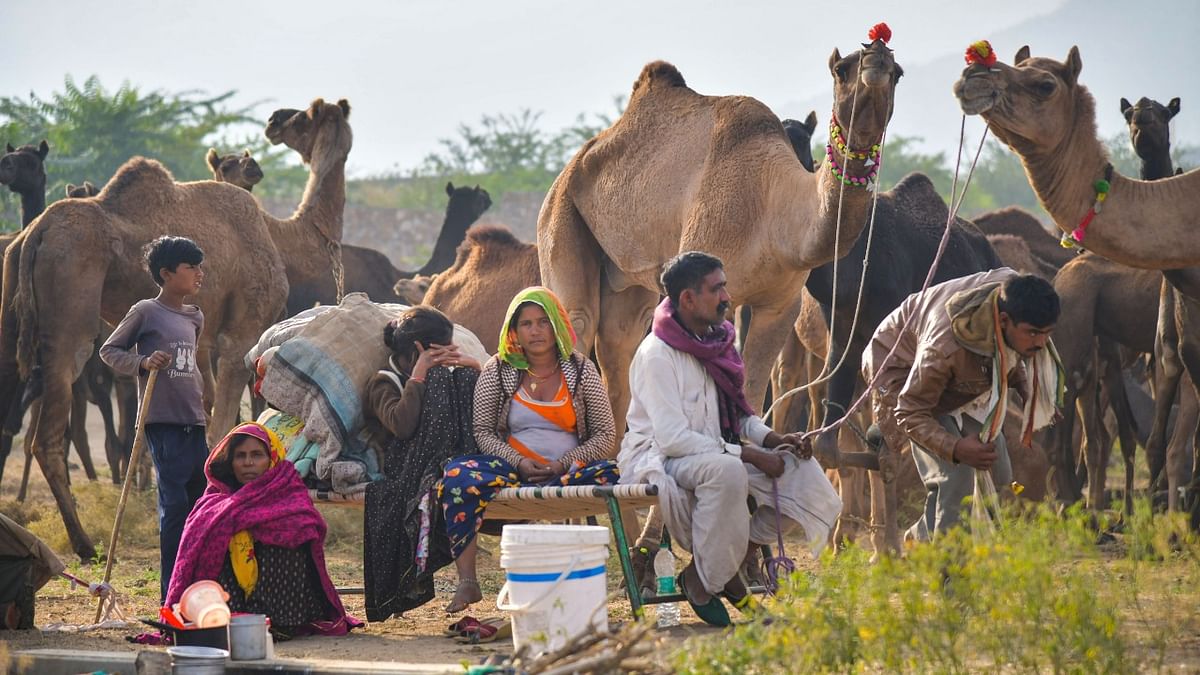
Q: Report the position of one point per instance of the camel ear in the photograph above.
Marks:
(1173, 106)
(1179, 171)
(449, 189)
(834, 59)
(43, 149)
(213, 159)
(10, 147)
(1074, 65)
(70, 188)
(1127, 109)
(345, 106)
(1022, 55)
(246, 154)
(810, 122)
(314, 110)
(89, 187)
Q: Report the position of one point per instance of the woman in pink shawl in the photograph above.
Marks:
(255, 531)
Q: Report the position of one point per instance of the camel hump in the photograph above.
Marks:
(659, 73)
(138, 184)
(492, 235)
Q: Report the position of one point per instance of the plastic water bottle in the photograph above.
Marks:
(664, 570)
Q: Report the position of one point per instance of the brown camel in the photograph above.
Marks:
(23, 170)
(491, 267)
(1039, 109)
(79, 262)
(1016, 253)
(240, 170)
(412, 291)
(82, 191)
(370, 271)
(1016, 221)
(681, 171)
(1177, 345)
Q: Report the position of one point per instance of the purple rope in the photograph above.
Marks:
(781, 563)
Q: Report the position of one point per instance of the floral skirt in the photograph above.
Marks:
(471, 482)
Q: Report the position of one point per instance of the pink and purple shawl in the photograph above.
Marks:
(276, 509)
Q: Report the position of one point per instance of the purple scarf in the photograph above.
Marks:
(720, 359)
(276, 509)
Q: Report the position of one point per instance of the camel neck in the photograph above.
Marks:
(454, 230)
(33, 202)
(1156, 166)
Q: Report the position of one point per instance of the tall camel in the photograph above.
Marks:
(370, 271)
(23, 170)
(681, 171)
(80, 262)
(491, 267)
(1039, 109)
(1176, 344)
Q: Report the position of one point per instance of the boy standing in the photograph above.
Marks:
(161, 334)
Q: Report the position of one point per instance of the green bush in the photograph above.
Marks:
(1013, 599)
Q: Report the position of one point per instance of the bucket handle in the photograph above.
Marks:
(504, 606)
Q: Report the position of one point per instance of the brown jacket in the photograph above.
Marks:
(944, 358)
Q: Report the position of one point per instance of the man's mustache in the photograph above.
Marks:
(723, 307)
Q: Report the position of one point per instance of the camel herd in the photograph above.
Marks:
(677, 171)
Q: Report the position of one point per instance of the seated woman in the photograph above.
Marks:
(423, 406)
(255, 531)
(542, 415)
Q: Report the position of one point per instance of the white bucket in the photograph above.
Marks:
(556, 586)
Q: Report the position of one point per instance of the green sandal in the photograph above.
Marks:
(712, 612)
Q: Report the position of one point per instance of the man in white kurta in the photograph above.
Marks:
(675, 442)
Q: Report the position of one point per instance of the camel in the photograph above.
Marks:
(680, 171)
(412, 291)
(1038, 108)
(23, 170)
(79, 262)
(491, 267)
(240, 170)
(800, 136)
(1178, 331)
(81, 191)
(1016, 221)
(371, 272)
(1016, 253)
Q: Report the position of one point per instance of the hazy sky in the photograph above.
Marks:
(414, 70)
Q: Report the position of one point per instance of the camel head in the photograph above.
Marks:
(1031, 104)
(82, 191)
(412, 291)
(1149, 127)
(470, 203)
(240, 170)
(864, 87)
(323, 129)
(800, 135)
(23, 169)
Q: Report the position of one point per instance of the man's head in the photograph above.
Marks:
(695, 282)
(167, 253)
(1028, 311)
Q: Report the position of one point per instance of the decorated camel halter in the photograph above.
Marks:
(837, 139)
(1102, 186)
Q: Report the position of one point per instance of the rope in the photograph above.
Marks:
(777, 565)
(335, 256)
(955, 204)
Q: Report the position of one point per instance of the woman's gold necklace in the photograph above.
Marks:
(535, 379)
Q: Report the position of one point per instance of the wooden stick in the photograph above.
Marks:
(139, 441)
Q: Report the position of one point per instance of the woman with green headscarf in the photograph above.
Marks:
(542, 416)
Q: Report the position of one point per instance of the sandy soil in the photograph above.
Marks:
(414, 638)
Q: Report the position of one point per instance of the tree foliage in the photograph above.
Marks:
(92, 131)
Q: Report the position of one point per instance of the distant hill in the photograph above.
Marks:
(1153, 57)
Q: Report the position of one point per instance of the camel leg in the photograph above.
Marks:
(570, 260)
(1178, 460)
(763, 344)
(788, 373)
(23, 491)
(624, 319)
(78, 427)
(1168, 369)
(1096, 446)
(127, 403)
(1062, 460)
(12, 427)
(885, 529)
(1114, 388)
(231, 380)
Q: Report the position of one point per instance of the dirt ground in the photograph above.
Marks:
(414, 638)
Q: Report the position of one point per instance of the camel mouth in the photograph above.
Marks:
(875, 77)
(976, 94)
